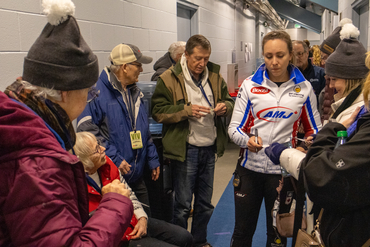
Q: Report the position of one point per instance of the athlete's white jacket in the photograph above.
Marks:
(275, 111)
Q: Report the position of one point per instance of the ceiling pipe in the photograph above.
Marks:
(264, 7)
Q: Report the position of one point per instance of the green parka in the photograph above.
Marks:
(171, 107)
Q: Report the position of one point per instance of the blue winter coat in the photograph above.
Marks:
(108, 119)
(316, 76)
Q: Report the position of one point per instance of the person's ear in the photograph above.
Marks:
(124, 67)
(178, 57)
(187, 55)
(64, 95)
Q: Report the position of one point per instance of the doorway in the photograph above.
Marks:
(364, 24)
(187, 20)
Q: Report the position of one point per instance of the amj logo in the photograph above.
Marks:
(260, 90)
(273, 115)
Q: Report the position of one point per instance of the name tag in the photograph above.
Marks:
(136, 141)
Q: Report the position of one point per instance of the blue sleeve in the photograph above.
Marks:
(93, 120)
(322, 79)
(152, 155)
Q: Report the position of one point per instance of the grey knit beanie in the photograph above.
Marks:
(332, 41)
(60, 58)
(348, 60)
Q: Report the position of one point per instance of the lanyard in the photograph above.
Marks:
(204, 93)
(130, 108)
(92, 183)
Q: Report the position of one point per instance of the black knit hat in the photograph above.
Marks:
(332, 41)
(60, 58)
(348, 60)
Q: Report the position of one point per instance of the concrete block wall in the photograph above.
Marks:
(297, 33)
(345, 11)
(149, 24)
(313, 37)
(245, 33)
(301, 34)
(226, 25)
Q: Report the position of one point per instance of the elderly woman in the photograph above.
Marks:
(101, 171)
(43, 198)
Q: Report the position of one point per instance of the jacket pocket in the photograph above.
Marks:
(335, 236)
(180, 102)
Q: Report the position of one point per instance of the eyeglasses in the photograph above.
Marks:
(92, 94)
(139, 65)
(299, 54)
(98, 149)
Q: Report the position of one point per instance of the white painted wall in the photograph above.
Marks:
(149, 24)
(345, 9)
(313, 37)
(297, 33)
(301, 34)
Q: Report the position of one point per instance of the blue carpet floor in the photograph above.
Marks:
(221, 225)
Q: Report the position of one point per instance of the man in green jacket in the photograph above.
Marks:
(190, 99)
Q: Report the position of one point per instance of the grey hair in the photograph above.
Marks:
(112, 67)
(49, 93)
(176, 48)
(83, 149)
(305, 47)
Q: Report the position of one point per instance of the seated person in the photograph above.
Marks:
(100, 171)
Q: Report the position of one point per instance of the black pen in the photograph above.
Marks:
(256, 138)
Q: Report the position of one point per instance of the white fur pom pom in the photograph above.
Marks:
(349, 31)
(57, 11)
(344, 22)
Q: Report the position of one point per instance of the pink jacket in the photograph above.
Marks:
(43, 190)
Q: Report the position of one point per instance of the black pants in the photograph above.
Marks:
(162, 234)
(248, 196)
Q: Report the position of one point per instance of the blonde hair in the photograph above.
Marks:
(316, 55)
(83, 149)
(351, 84)
(366, 86)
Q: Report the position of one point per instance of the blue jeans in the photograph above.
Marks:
(194, 176)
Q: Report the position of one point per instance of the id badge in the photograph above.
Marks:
(136, 141)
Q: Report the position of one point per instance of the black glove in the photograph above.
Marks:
(274, 151)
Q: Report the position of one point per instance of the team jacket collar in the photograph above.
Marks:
(295, 74)
(112, 82)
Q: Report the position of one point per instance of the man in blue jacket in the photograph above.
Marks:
(314, 74)
(119, 119)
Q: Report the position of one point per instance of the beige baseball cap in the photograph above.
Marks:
(127, 53)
